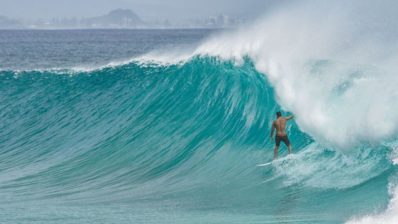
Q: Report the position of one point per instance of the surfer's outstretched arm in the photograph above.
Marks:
(289, 117)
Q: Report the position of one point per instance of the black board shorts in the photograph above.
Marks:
(284, 139)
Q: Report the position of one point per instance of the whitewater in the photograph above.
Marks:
(158, 126)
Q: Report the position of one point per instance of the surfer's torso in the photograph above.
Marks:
(280, 126)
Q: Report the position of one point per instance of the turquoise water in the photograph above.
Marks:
(170, 143)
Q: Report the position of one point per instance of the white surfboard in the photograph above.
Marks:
(279, 160)
(264, 164)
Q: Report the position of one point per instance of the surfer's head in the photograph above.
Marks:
(278, 114)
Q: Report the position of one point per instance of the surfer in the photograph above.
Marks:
(280, 125)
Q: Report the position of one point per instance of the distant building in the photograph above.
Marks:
(116, 19)
(121, 19)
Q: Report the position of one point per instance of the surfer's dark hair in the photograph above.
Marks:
(278, 114)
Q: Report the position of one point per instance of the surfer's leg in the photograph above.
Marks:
(276, 152)
(277, 143)
(287, 142)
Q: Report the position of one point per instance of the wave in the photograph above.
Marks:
(156, 132)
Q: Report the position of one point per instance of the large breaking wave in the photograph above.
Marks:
(187, 134)
(190, 134)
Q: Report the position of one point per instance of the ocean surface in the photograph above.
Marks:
(169, 126)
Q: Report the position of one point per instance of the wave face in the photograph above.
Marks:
(175, 143)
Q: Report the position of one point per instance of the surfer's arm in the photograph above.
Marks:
(272, 129)
(289, 117)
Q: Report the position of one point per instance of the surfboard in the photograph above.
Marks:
(279, 160)
(264, 164)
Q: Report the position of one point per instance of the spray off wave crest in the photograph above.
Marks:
(340, 83)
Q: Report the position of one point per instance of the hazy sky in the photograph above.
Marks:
(147, 9)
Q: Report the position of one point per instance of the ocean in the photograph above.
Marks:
(169, 126)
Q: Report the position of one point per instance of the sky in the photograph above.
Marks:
(173, 10)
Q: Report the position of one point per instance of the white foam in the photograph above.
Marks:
(312, 168)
